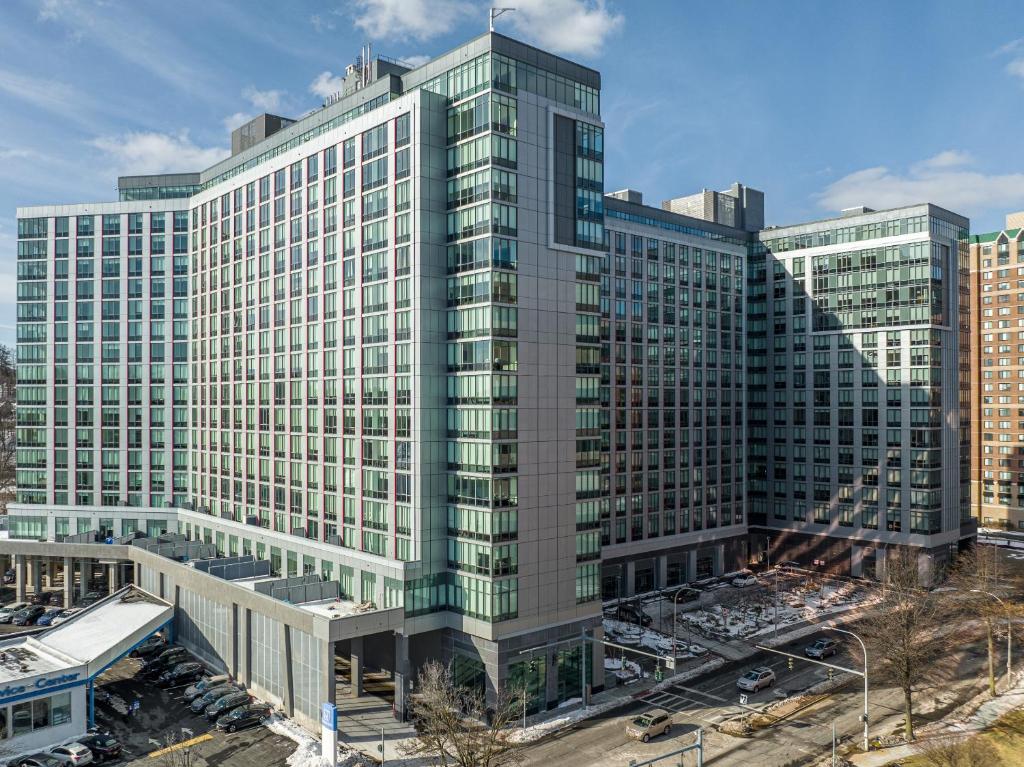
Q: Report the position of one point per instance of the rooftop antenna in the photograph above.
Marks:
(495, 13)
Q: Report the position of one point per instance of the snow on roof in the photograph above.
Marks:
(336, 608)
(110, 622)
(23, 657)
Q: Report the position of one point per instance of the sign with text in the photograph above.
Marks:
(329, 733)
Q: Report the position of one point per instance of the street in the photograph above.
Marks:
(710, 700)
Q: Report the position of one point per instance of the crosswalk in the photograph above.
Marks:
(693, 704)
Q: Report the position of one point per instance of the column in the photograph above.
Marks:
(84, 568)
(286, 668)
(19, 577)
(328, 685)
(551, 679)
(356, 658)
(69, 581)
(691, 566)
(403, 676)
(111, 577)
(48, 574)
(661, 565)
(37, 575)
(244, 646)
(629, 579)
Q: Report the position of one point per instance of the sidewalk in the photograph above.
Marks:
(981, 718)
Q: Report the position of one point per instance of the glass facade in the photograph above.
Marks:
(102, 357)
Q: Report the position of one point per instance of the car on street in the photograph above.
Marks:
(210, 696)
(756, 679)
(103, 747)
(226, 703)
(28, 616)
(8, 612)
(649, 725)
(183, 673)
(39, 760)
(822, 648)
(195, 690)
(150, 646)
(46, 618)
(685, 594)
(72, 754)
(632, 614)
(65, 615)
(249, 715)
(743, 581)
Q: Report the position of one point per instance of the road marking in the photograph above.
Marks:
(179, 746)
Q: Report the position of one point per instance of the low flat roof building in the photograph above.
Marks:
(46, 679)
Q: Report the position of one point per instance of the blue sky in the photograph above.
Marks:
(820, 104)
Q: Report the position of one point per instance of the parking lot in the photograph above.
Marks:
(162, 717)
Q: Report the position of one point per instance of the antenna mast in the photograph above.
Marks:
(495, 13)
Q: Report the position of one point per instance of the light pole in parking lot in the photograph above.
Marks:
(864, 716)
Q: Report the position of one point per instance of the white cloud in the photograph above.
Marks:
(51, 95)
(320, 24)
(573, 27)
(236, 120)
(410, 19)
(947, 179)
(150, 152)
(415, 61)
(326, 84)
(1016, 68)
(265, 101)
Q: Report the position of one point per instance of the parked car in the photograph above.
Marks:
(103, 747)
(743, 581)
(632, 614)
(39, 760)
(164, 661)
(649, 725)
(206, 683)
(72, 754)
(211, 696)
(28, 616)
(46, 619)
(183, 673)
(65, 615)
(91, 597)
(822, 648)
(226, 703)
(756, 679)
(43, 598)
(7, 613)
(244, 716)
(154, 644)
(9, 576)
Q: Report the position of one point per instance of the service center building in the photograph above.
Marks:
(46, 679)
(43, 696)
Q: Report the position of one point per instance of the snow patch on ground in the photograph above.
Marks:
(307, 754)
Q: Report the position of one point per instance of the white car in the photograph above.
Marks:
(744, 580)
(66, 615)
(756, 679)
(72, 754)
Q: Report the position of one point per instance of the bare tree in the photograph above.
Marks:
(957, 751)
(902, 630)
(458, 727)
(982, 577)
(177, 752)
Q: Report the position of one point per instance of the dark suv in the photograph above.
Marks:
(632, 614)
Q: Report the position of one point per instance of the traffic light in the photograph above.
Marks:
(790, 664)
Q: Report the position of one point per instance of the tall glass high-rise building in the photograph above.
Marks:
(408, 344)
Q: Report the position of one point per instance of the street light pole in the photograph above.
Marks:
(675, 607)
(865, 650)
(1009, 632)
